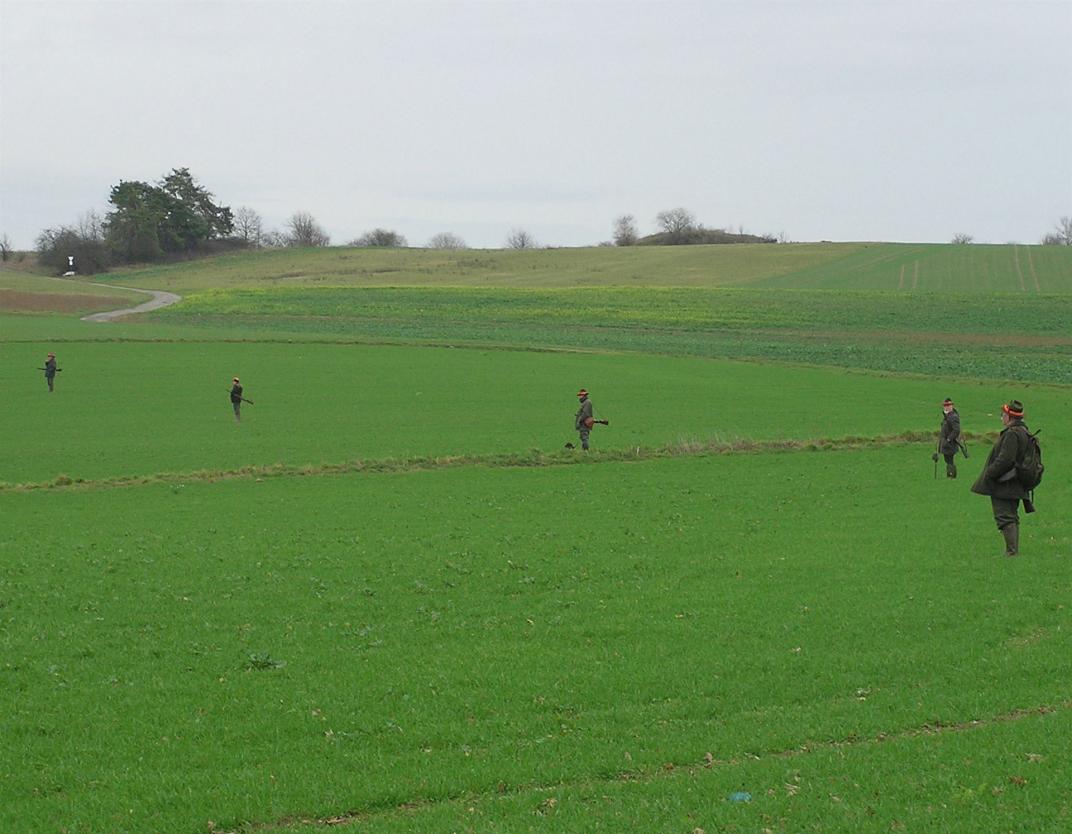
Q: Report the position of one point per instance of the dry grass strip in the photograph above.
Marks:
(684, 447)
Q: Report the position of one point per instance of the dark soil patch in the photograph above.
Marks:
(18, 301)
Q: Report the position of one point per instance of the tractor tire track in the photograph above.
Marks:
(667, 771)
(1019, 272)
(1031, 266)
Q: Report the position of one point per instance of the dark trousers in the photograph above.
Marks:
(237, 405)
(584, 437)
(1005, 511)
(950, 465)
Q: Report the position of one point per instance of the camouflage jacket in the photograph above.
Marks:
(950, 434)
(998, 478)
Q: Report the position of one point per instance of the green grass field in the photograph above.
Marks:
(390, 600)
(987, 336)
(144, 408)
(448, 633)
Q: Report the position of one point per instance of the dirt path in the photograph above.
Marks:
(159, 299)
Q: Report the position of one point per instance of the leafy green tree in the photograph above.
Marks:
(175, 216)
(134, 225)
(195, 217)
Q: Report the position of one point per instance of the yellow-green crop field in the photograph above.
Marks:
(390, 599)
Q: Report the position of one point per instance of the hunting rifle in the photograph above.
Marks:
(243, 399)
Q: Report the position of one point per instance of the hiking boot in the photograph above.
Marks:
(1011, 532)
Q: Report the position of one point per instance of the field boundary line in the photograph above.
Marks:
(685, 447)
(159, 299)
(669, 770)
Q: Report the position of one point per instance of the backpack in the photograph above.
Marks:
(1029, 470)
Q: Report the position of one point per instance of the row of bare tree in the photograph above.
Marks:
(302, 229)
(1060, 236)
(677, 225)
(680, 226)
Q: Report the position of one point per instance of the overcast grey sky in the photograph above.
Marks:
(823, 120)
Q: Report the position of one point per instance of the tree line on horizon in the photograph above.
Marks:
(177, 217)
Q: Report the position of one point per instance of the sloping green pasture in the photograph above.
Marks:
(1014, 337)
(910, 268)
(843, 308)
(904, 267)
(143, 408)
(701, 266)
(494, 649)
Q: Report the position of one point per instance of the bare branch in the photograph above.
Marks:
(520, 239)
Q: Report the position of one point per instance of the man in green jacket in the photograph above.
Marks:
(236, 399)
(50, 370)
(999, 476)
(949, 440)
(582, 420)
